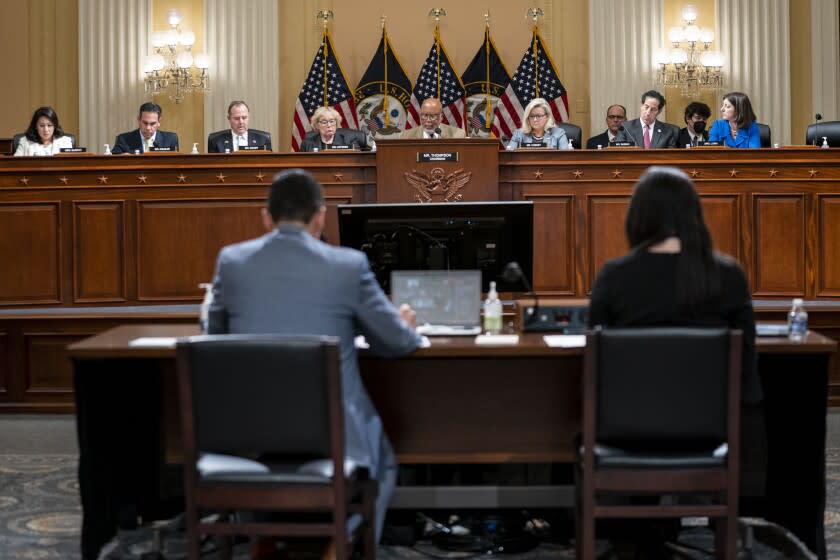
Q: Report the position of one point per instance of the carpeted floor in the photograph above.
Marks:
(40, 516)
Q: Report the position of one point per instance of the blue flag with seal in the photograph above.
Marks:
(485, 80)
(383, 94)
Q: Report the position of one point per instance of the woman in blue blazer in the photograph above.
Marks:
(538, 126)
(737, 128)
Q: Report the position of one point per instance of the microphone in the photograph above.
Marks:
(438, 132)
(818, 118)
(625, 137)
(513, 273)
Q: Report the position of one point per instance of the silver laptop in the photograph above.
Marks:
(447, 302)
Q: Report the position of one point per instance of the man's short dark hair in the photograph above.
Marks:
(697, 108)
(236, 102)
(150, 107)
(294, 196)
(652, 93)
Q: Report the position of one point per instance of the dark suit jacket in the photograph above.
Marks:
(664, 134)
(685, 138)
(602, 139)
(129, 142)
(218, 141)
(343, 137)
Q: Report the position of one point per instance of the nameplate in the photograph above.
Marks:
(437, 156)
(532, 145)
(77, 150)
(622, 144)
(339, 147)
(161, 149)
(249, 148)
(709, 143)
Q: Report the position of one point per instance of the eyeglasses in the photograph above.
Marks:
(538, 117)
(616, 117)
(330, 122)
(430, 116)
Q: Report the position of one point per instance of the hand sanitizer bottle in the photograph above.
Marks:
(195, 148)
(492, 311)
(825, 142)
(107, 150)
(204, 310)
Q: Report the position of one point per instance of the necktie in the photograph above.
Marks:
(647, 136)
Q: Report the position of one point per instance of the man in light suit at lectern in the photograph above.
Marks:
(430, 125)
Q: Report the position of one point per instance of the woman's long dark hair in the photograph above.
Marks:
(32, 131)
(744, 115)
(665, 204)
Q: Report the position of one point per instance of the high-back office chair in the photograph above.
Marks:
(829, 129)
(764, 135)
(263, 430)
(573, 133)
(660, 417)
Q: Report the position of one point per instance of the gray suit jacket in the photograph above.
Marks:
(664, 134)
(446, 131)
(288, 282)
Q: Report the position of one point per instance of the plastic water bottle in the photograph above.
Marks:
(492, 311)
(204, 310)
(797, 321)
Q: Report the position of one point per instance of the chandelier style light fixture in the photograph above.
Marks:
(173, 69)
(690, 68)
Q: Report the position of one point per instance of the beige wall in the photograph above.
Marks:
(801, 101)
(41, 63)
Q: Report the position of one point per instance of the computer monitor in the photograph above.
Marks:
(483, 236)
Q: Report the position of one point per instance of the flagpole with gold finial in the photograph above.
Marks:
(437, 13)
(382, 19)
(535, 14)
(325, 16)
(488, 104)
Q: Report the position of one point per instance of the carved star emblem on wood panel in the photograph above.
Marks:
(813, 173)
(538, 174)
(616, 174)
(24, 181)
(141, 179)
(577, 173)
(260, 176)
(64, 180)
(182, 178)
(694, 173)
(773, 172)
(733, 172)
(221, 177)
(338, 176)
(103, 180)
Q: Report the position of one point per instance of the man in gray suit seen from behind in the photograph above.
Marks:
(289, 282)
(647, 132)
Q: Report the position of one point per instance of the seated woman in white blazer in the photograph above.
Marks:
(44, 136)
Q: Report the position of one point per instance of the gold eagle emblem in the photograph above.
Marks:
(437, 183)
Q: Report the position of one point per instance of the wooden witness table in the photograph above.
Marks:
(453, 402)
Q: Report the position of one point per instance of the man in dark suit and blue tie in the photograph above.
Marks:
(147, 135)
(646, 131)
(239, 135)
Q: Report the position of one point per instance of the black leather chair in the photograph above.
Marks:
(263, 431)
(16, 138)
(764, 135)
(573, 133)
(660, 417)
(830, 129)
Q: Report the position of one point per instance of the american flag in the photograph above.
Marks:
(338, 95)
(536, 76)
(451, 90)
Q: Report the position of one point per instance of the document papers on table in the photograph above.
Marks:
(565, 340)
(154, 342)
